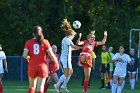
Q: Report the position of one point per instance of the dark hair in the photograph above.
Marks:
(67, 27)
(38, 33)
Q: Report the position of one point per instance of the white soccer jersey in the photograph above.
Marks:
(120, 69)
(2, 56)
(66, 52)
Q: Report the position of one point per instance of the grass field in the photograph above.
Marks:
(74, 86)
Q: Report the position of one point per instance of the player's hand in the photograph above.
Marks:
(80, 35)
(105, 33)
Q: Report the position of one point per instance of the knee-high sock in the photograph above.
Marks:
(119, 89)
(114, 87)
(31, 90)
(111, 82)
(123, 83)
(1, 87)
(133, 83)
(66, 81)
(46, 86)
(85, 85)
(62, 78)
(130, 80)
(103, 82)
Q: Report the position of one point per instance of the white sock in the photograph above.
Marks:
(111, 82)
(119, 89)
(62, 78)
(123, 83)
(130, 80)
(68, 79)
(133, 83)
(114, 87)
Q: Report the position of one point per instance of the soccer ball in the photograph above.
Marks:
(76, 24)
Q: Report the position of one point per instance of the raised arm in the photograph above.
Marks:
(104, 39)
(79, 42)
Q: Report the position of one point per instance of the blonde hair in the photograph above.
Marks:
(67, 27)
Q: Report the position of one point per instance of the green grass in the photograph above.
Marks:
(74, 86)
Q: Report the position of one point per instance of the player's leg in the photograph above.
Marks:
(87, 71)
(46, 86)
(114, 86)
(40, 84)
(120, 83)
(130, 78)
(111, 73)
(1, 86)
(103, 71)
(32, 84)
(68, 73)
(133, 79)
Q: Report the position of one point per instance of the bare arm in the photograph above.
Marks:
(25, 54)
(51, 54)
(79, 42)
(104, 39)
(117, 59)
(5, 65)
(74, 47)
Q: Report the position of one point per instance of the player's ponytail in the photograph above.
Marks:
(67, 27)
(38, 34)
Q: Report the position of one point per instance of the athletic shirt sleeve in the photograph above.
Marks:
(26, 45)
(69, 42)
(4, 56)
(128, 58)
(115, 56)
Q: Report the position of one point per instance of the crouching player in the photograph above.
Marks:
(53, 67)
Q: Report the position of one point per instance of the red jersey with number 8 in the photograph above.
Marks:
(37, 52)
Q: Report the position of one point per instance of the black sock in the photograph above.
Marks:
(103, 82)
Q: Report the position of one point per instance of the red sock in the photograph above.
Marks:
(85, 85)
(31, 90)
(40, 92)
(46, 86)
(1, 88)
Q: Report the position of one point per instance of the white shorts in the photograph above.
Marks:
(66, 61)
(134, 72)
(120, 72)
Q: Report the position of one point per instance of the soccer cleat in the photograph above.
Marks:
(64, 88)
(56, 88)
(84, 91)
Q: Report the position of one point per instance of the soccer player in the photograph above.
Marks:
(121, 59)
(66, 52)
(85, 57)
(53, 67)
(111, 65)
(2, 67)
(132, 68)
(35, 53)
(105, 58)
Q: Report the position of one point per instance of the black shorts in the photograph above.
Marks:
(104, 69)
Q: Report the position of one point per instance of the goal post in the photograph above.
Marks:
(138, 47)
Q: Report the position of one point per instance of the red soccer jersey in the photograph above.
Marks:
(88, 48)
(37, 52)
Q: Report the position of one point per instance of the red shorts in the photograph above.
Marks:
(53, 67)
(38, 70)
(85, 59)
